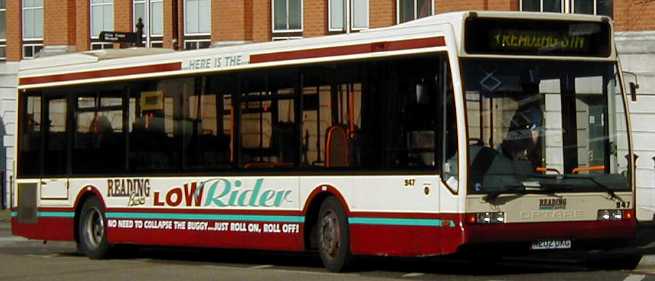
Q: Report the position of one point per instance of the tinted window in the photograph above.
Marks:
(208, 141)
(56, 141)
(99, 141)
(29, 162)
(157, 124)
(269, 136)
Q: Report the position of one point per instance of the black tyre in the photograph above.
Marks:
(92, 230)
(333, 236)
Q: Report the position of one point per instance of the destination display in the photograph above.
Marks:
(537, 37)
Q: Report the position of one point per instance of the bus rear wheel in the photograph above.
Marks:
(92, 231)
(333, 236)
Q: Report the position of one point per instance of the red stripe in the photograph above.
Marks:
(350, 50)
(102, 73)
(404, 241)
(550, 230)
(53, 229)
(214, 239)
(405, 215)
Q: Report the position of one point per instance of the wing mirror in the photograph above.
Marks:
(633, 85)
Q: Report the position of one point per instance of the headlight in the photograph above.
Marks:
(613, 215)
(486, 218)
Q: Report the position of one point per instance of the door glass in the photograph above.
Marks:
(29, 162)
(56, 143)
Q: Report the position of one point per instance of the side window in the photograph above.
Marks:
(316, 115)
(157, 125)
(269, 136)
(98, 141)
(29, 163)
(381, 115)
(56, 141)
(208, 140)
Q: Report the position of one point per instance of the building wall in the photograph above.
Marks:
(261, 20)
(82, 27)
(634, 15)
(67, 21)
(382, 13)
(14, 30)
(637, 54)
(59, 30)
(229, 24)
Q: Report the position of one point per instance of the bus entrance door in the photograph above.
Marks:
(55, 187)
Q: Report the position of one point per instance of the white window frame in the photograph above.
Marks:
(200, 33)
(158, 41)
(345, 18)
(433, 10)
(348, 17)
(285, 38)
(368, 17)
(23, 8)
(302, 18)
(563, 4)
(572, 7)
(147, 33)
(102, 44)
(197, 41)
(568, 6)
(91, 5)
(31, 45)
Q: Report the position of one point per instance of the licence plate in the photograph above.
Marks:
(550, 244)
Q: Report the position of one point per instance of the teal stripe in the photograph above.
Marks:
(56, 214)
(395, 221)
(13, 214)
(182, 216)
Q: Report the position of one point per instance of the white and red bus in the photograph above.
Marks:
(460, 132)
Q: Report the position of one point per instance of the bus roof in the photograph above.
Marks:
(431, 34)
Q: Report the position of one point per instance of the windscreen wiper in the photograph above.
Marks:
(604, 187)
(510, 189)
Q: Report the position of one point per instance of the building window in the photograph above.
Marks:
(194, 44)
(591, 7)
(348, 13)
(3, 30)
(409, 10)
(151, 12)
(101, 45)
(197, 17)
(554, 6)
(102, 17)
(31, 49)
(287, 15)
(33, 20)
(32, 28)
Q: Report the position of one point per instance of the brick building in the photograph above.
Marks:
(31, 28)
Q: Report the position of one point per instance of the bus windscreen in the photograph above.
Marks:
(497, 36)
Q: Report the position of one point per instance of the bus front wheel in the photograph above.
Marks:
(92, 231)
(333, 236)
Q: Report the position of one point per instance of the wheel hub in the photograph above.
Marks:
(94, 226)
(330, 234)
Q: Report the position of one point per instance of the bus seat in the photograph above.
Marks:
(337, 148)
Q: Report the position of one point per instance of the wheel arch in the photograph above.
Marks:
(312, 208)
(85, 194)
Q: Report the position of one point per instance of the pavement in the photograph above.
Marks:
(4, 215)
